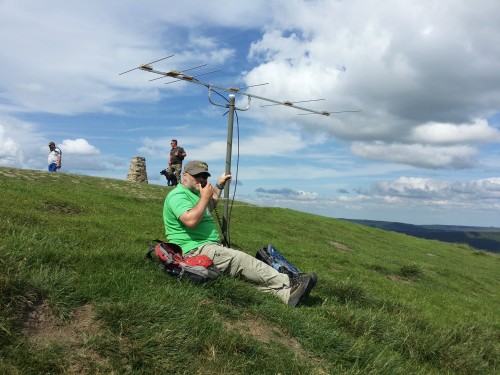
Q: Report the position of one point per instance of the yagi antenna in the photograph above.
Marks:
(291, 104)
(236, 89)
(233, 91)
(146, 66)
(327, 113)
(181, 71)
(185, 77)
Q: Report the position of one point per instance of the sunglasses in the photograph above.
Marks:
(201, 175)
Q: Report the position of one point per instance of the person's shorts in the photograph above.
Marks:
(53, 167)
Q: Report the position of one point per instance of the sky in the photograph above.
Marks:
(425, 75)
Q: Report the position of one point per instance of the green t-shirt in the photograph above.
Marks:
(177, 202)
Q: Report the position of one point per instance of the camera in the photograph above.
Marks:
(203, 183)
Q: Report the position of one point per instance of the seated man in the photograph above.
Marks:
(189, 224)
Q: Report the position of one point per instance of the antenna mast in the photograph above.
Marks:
(229, 148)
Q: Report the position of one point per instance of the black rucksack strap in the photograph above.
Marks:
(152, 248)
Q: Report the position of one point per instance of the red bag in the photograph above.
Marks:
(198, 269)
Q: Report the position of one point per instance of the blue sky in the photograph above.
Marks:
(424, 149)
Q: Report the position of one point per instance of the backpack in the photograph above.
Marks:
(198, 269)
(271, 256)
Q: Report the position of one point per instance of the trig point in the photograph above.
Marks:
(137, 171)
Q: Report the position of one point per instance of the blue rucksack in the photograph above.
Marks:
(271, 256)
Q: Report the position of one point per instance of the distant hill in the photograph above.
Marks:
(482, 238)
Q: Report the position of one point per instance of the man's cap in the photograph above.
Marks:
(51, 143)
(195, 166)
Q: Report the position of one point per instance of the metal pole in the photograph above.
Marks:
(230, 121)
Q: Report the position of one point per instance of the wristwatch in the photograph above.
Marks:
(220, 187)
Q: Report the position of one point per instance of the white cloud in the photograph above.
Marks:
(10, 152)
(418, 155)
(288, 194)
(407, 199)
(484, 193)
(435, 133)
(274, 141)
(405, 192)
(421, 72)
(78, 146)
(21, 144)
(68, 55)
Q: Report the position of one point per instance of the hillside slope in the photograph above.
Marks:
(78, 296)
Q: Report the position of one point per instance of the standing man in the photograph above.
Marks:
(55, 157)
(189, 224)
(177, 155)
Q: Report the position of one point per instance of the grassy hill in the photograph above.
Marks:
(481, 238)
(77, 295)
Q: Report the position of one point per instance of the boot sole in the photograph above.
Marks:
(312, 282)
(307, 290)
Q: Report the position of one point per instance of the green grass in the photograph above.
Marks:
(78, 296)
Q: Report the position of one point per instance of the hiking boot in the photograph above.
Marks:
(301, 287)
(296, 278)
(314, 280)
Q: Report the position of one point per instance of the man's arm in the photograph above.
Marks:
(192, 217)
(218, 191)
(59, 160)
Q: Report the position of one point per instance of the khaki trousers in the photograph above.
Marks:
(241, 265)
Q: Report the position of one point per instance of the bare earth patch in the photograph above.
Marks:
(265, 333)
(340, 246)
(42, 326)
(399, 279)
(44, 329)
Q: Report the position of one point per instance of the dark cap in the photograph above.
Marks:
(51, 143)
(195, 166)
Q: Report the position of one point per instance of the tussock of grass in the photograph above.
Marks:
(78, 296)
(411, 271)
(349, 291)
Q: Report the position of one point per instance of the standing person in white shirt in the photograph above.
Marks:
(55, 157)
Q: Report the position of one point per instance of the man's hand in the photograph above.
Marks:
(207, 191)
(192, 217)
(223, 178)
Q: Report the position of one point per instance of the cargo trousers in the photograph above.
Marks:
(177, 170)
(241, 265)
